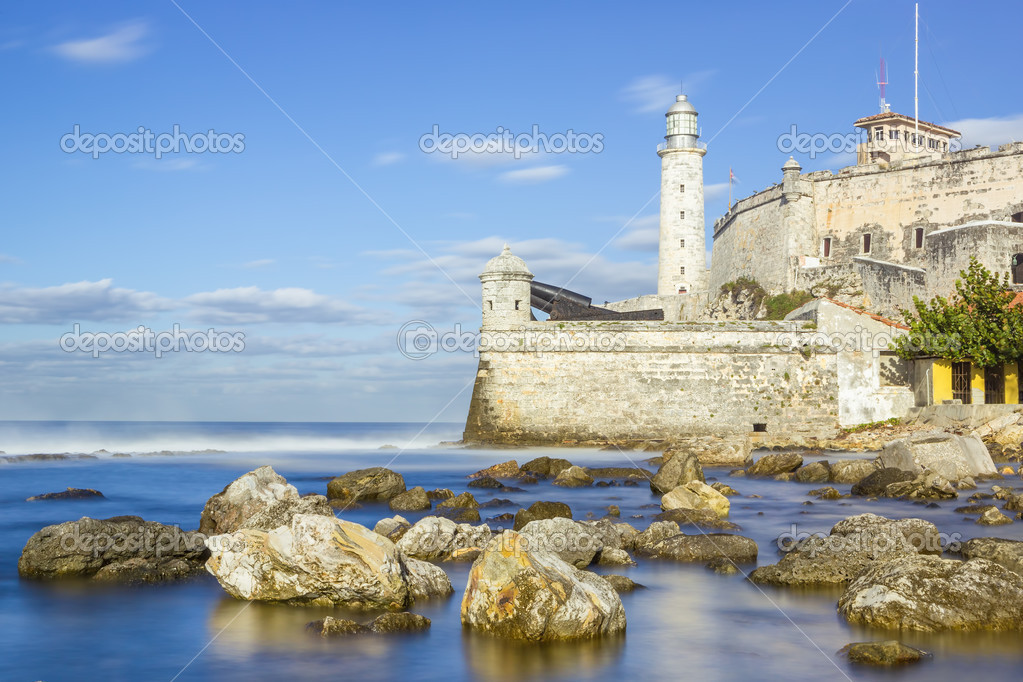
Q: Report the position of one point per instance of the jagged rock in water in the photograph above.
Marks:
(854, 544)
(509, 469)
(925, 486)
(679, 470)
(696, 495)
(696, 519)
(654, 533)
(125, 549)
(776, 463)
(544, 467)
(815, 472)
(375, 484)
(609, 556)
(438, 539)
(260, 499)
(399, 622)
(335, 627)
(622, 583)
(573, 477)
(414, 499)
(993, 517)
(826, 493)
(953, 457)
(570, 540)
(927, 593)
(875, 484)
(486, 482)
(724, 489)
(541, 510)
(519, 592)
(706, 547)
(1008, 553)
(319, 560)
(440, 494)
(393, 528)
(69, 494)
(888, 653)
(851, 470)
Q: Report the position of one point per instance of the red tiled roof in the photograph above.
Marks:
(878, 318)
(885, 115)
(1017, 300)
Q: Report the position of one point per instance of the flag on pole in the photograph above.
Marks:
(731, 178)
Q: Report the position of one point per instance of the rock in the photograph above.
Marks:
(620, 472)
(414, 499)
(993, 517)
(123, 549)
(724, 489)
(953, 457)
(440, 494)
(541, 510)
(463, 501)
(723, 565)
(375, 484)
(570, 540)
(529, 479)
(622, 583)
(926, 486)
(544, 467)
(573, 477)
(613, 510)
(655, 532)
(966, 484)
(609, 556)
(509, 469)
(875, 484)
(696, 495)
(775, 463)
(826, 493)
(260, 499)
(679, 470)
(815, 472)
(714, 451)
(439, 539)
(851, 470)
(399, 622)
(931, 594)
(486, 482)
(392, 529)
(854, 544)
(1011, 435)
(335, 627)
(1014, 502)
(69, 494)
(319, 560)
(891, 652)
(697, 519)
(520, 592)
(974, 508)
(705, 547)
(497, 502)
(1008, 553)
(1001, 493)
(1004, 471)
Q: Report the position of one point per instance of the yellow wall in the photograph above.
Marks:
(941, 380)
(1011, 384)
(977, 384)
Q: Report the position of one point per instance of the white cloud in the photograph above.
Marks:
(529, 176)
(642, 234)
(716, 190)
(123, 44)
(76, 301)
(252, 305)
(657, 92)
(989, 132)
(388, 158)
(4, 258)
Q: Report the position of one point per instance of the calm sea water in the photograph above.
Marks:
(689, 623)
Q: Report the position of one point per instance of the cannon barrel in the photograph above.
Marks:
(544, 296)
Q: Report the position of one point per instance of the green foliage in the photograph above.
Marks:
(976, 324)
(781, 305)
(744, 285)
(894, 421)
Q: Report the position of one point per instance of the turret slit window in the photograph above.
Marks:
(490, 305)
(517, 304)
(682, 215)
(827, 247)
(682, 270)
(681, 189)
(918, 238)
(866, 243)
(681, 243)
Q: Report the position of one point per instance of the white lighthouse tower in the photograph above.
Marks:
(682, 258)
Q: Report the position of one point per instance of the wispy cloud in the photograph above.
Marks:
(657, 92)
(78, 301)
(529, 176)
(989, 132)
(388, 158)
(643, 234)
(252, 305)
(4, 258)
(122, 45)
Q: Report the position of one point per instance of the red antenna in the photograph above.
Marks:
(882, 81)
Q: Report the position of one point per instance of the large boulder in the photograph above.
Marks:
(1008, 553)
(696, 495)
(953, 457)
(854, 544)
(573, 477)
(320, 560)
(570, 540)
(776, 463)
(260, 499)
(509, 469)
(876, 483)
(375, 484)
(682, 468)
(439, 539)
(654, 533)
(851, 470)
(120, 549)
(706, 547)
(713, 450)
(926, 486)
(544, 467)
(814, 472)
(522, 592)
(414, 499)
(920, 592)
(541, 510)
(461, 508)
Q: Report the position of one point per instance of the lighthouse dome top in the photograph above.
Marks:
(681, 105)
(506, 263)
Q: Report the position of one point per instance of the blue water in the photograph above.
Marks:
(689, 624)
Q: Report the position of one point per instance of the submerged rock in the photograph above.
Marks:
(260, 499)
(776, 463)
(414, 499)
(544, 467)
(706, 547)
(622, 583)
(335, 627)
(875, 484)
(69, 494)
(920, 592)
(888, 653)
(375, 484)
(573, 477)
(399, 622)
(541, 510)
(124, 549)
(509, 469)
(323, 561)
(520, 592)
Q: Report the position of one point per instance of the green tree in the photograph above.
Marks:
(976, 324)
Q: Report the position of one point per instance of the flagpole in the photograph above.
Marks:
(730, 176)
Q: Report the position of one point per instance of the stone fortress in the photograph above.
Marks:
(864, 241)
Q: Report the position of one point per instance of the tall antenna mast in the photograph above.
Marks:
(882, 81)
(916, 79)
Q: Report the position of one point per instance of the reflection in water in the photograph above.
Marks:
(492, 658)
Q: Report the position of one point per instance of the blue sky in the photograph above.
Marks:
(330, 229)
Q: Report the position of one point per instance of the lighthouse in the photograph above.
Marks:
(682, 262)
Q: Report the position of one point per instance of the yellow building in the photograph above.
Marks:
(968, 384)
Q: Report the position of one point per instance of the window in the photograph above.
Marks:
(879, 133)
(893, 134)
(827, 247)
(490, 305)
(918, 238)
(994, 386)
(517, 304)
(961, 382)
(1016, 217)
(932, 143)
(681, 243)
(682, 215)
(682, 270)
(866, 243)
(760, 428)
(681, 189)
